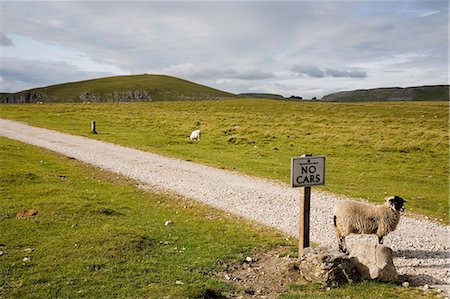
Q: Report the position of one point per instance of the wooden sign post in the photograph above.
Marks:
(306, 171)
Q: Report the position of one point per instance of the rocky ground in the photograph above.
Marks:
(421, 247)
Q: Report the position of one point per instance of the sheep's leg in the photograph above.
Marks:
(342, 245)
(340, 238)
(380, 240)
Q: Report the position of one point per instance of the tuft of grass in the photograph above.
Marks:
(373, 149)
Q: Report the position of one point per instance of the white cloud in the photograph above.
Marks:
(26, 48)
(235, 45)
(191, 71)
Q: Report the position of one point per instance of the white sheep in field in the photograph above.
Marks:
(195, 135)
(351, 217)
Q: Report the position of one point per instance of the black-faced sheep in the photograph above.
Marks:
(195, 135)
(352, 217)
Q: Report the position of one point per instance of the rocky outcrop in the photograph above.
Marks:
(117, 96)
(30, 96)
(36, 96)
(330, 267)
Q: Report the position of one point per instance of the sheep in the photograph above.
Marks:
(361, 218)
(195, 135)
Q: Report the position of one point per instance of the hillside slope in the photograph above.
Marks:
(262, 96)
(136, 88)
(419, 93)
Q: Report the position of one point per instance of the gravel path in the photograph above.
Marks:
(422, 248)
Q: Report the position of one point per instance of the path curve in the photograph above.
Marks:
(422, 248)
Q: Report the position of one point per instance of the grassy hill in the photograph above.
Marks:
(136, 88)
(419, 93)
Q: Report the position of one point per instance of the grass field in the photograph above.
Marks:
(372, 149)
(96, 235)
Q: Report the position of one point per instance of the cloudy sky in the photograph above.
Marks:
(304, 48)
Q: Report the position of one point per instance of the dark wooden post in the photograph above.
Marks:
(305, 199)
(305, 204)
(93, 130)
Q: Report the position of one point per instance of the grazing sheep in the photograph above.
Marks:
(195, 135)
(360, 218)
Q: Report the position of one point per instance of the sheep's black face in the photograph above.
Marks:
(397, 203)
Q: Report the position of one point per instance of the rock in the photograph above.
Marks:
(248, 259)
(26, 259)
(116, 96)
(327, 266)
(1, 253)
(28, 250)
(168, 222)
(330, 267)
(30, 96)
(26, 214)
(179, 282)
(405, 284)
(426, 287)
(374, 261)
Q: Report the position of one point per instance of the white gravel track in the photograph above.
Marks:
(421, 247)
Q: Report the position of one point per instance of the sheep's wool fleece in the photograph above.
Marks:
(362, 218)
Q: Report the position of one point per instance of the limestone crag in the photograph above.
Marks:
(31, 96)
(36, 96)
(117, 96)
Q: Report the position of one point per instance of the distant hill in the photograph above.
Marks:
(419, 93)
(136, 88)
(262, 96)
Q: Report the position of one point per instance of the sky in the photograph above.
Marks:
(302, 48)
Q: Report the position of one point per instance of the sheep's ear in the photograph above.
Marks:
(390, 199)
(399, 199)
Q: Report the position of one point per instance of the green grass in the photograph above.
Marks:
(96, 235)
(373, 149)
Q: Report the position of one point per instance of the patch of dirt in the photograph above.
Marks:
(263, 275)
(26, 214)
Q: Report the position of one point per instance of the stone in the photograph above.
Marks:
(248, 259)
(327, 266)
(374, 261)
(405, 284)
(332, 268)
(168, 222)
